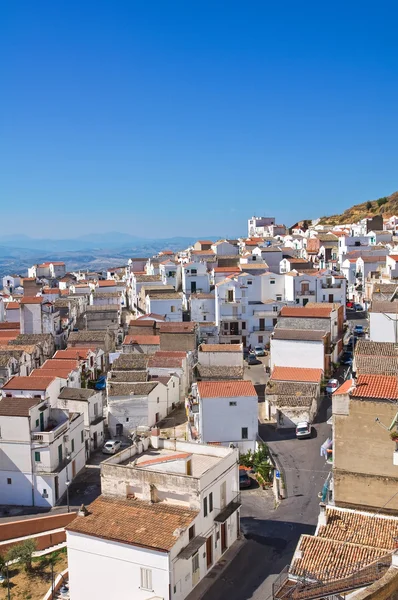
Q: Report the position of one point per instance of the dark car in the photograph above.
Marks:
(252, 359)
(346, 358)
(244, 479)
(351, 342)
(359, 330)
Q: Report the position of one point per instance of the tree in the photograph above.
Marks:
(23, 553)
(382, 201)
(368, 205)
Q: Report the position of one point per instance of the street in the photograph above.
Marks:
(271, 534)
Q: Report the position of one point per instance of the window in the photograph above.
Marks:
(205, 507)
(243, 324)
(245, 433)
(127, 419)
(243, 309)
(249, 282)
(8, 395)
(260, 339)
(297, 301)
(233, 404)
(82, 436)
(45, 494)
(275, 308)
(96, 409)
(146, 579)
(279, 298)
(194, 271)
(272, 281)
(254, 257)
(73, 445)
(172, 308)
(37, 422)
(191, 532)
(230, 296)
(37, 456)
(37, 396)
(204, 317)
(9, 481)
(211, 502)
(157, 400)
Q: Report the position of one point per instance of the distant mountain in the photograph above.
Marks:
(386, 206)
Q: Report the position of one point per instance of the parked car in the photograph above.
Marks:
(244, 479)
(245, 353)
(303, 430)
(332, 386)
(100, 384)
(111, 447)
(259, 350)
(358, 307)
(346, 358)
(252, 359)
(359, 330)
(351, 342)
(349, 305)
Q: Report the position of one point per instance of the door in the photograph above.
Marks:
(261, 324)
(157, 417)
(56, 484)
(331, 299)
(95, 440)
(305, 301)
(223, 537)
(73, 469)
(193, 287)
(60, 453)
(41, 421)
(119, 429)
(223, 494)
(195, 569)
(209, 551)
(244, 341)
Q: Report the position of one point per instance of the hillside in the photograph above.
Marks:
(386, 206)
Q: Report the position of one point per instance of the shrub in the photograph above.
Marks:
(368, 205)
(382, 201)
(24, 553)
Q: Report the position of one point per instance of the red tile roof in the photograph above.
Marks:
(318, 312)
(383, 387)
(69, 363)
(165, 362)
(107, 283)
(226, 389)
(12, 305)
(134, 522)
(178, 327)
(297, 374)
(146, 340)
(17, 407)
(220, 347)
(42, 372)
(344, 388)
(31, 300)
(71, 353)
(28, 383)
(9, 325)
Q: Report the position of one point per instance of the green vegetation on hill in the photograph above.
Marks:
(386, 206)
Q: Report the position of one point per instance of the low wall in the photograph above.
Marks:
(43, 541)
(30, 527)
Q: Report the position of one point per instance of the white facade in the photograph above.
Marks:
(260, 226)
(167, 305)
(203, 308)
(195, 278)
(295, 353)
(383, 326)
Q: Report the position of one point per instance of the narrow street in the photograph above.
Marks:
(271, 533)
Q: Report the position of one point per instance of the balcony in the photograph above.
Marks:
(230, 333)
(228, 510)
(327, 286)
(263, 328)
(48, 437)
(305, 293)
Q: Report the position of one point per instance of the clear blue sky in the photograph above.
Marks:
(186, 117)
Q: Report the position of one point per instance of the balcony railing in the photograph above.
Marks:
(263, 328)
(305, 293)
(48, 437)
(228, 510)
(231, 334)
(327, 286)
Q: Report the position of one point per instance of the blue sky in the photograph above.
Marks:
(185, 117)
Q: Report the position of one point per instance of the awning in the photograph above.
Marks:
(228, 510)
(192, 547)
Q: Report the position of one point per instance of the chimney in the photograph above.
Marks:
(323, 518)
(155, 433)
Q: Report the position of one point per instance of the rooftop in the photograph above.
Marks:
(130, 388)
(309, 335)
(344, 388)
(17, 407)
(69, 393)
(28, 383)
(146, 340)
(381, 387)
(297, 374)
(318, 312)
(368, 348)
(291, 388)
(220, 348)
(130, 362)
(177, 327)
(231, 372)
(87, 336)
(377, 365)
(127, 376)
(226, 389)
(384, 306)
(134, 522)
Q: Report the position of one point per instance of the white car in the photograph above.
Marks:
(111, 447)
(332, 386)
(259, 350)
(303, 430)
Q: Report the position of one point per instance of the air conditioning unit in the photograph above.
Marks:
(66, 438)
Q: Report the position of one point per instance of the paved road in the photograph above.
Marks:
(271, 534)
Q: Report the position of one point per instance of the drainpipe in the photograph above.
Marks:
(31, 463)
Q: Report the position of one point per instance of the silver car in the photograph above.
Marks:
(303, 430)
(111, 447)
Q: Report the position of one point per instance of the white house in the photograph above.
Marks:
(225, 248)
(298, 348)
(131, 405)
(203, 307)
(179, 364)
(141, 344)
(350, 243)
(236, 401)
(13, 312)
(259, 226)
(89, 403)
(195, 278)
(170, 273)
(383, 321)
(169, 304)
(392, 265)
(11, 282)
(41, 451)
(168, 512)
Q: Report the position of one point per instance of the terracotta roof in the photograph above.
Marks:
(28, 383)
(220, 348)
(226, 389)
(215, 373)
(377, 365)
(145, 340)
(344, 388)
(297, 374)
(51, 291)
(291, 388)
(10, 333)
(162, 459)
(171, 353)
(17, 407)
(31, 300)
(12, 305)
(62, 372)
(128, 376)
(313, 246)
(368, 348)
(165, 362)
(382, 387)
(177, 327)
(319, 312)
(71, 353)
(134, 522)
(393, 256)
(107, 283)
(130, 362)
(153, 317)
